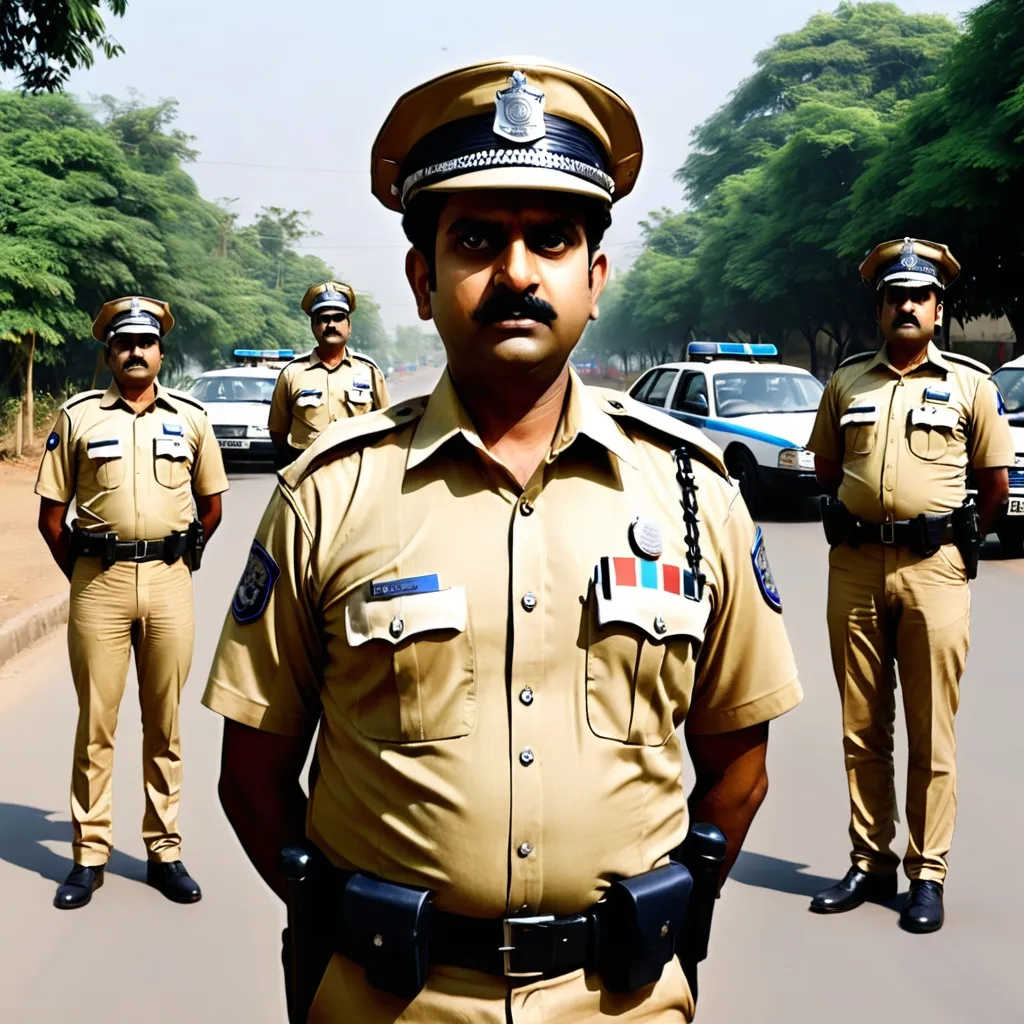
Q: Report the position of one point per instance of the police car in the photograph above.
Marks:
(759, 414)
(237, 401)
(1009, 525)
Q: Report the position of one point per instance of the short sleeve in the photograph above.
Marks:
(57, 468)
(280, 419)
(381, 397)
(825, 439)
(746, 672)
(208, 476)
(268, 666)
(991, 441)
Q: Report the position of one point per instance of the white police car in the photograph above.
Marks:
(1009, 524)
(237, 400)
(759, 414)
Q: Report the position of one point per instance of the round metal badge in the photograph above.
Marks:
(645, 537)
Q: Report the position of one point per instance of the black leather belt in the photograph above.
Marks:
(107, 546)
(905, 533)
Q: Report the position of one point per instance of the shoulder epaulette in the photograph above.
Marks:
(858, 357)
(365, 358)
(974, 364)
(180, 396)
(301, 358)
(83, 397)
(351, 434)
(622, 407)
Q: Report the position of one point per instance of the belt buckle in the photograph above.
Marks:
(887, 533)
(510, 926)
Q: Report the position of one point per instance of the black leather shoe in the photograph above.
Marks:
(857, 887)
(76, 890)
(923, 912)
(173, 881)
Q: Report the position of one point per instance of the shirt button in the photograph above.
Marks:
(526, 758)
(525, 849)
(396, 628)
(526, 696)
(526, 507)
(529, 600)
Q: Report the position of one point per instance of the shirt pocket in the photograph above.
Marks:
(106, 456)
(860, 427)
(414, 671)
(311, 409)
(171, 462)
(641, 651)
(930, 429)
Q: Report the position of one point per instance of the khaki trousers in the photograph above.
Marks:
(146, 607)
(889, 608)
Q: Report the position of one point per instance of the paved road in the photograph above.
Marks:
(140, 958)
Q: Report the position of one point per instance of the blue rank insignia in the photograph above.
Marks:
(174, 429)
(381, 590)
(253, 592)
(934, 394)
(52, 441)
(763, 572)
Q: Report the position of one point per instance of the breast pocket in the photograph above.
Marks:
(311, 409)
(106, 456)
(930, 429)
(415, 674)
(860, 428)
(171, 461)
(641, 651)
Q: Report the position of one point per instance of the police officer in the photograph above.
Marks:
(331, 382)
(133, 458)
(501, 610)
(896, 433)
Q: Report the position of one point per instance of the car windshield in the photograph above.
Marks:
(1010, 382)
(743, 394)
(234, 389)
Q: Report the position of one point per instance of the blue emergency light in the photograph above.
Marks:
(264, 353)
(708, 350)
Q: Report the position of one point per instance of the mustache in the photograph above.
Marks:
(136, 361)
(505, 304)
(906, 318)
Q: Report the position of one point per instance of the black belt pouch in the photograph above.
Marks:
(386, 930)
(639, 921)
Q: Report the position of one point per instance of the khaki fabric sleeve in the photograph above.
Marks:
(208, 476)
(746, 672)
(280, 419)
(991, 441)
(58, 467)
(381, 397)
(268, 667)
(826, 438)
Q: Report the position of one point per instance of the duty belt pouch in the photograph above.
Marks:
(930, 534)
(175, 545)
(639, 920)
(109, 556)
(386, 930)
(836, 520)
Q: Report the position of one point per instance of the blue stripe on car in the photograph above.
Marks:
(730, 428)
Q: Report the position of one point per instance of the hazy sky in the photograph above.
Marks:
(285, 99)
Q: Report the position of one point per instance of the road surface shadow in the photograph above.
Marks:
(786, 876)
(24, 830)
(789, 510)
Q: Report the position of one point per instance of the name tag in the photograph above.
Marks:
(170, 448)
(109, 448)
(403, 588)
(933, 394)
(174, 429)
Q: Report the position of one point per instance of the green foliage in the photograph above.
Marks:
(43, 40)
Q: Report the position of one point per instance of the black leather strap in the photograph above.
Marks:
(904, 533)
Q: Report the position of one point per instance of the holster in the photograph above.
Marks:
(196, 544)
(931, 535)
(836, 519)
(967, 535)
(640, 922)
(175, 546)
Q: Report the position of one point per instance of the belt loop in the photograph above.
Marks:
(887, 532)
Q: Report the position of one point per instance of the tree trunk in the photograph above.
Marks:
(19, 424)
(811, 337)
(30, 415)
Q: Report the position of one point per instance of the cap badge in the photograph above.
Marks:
(519, 111)
(645, 537)
(908, 258)
(136, 307)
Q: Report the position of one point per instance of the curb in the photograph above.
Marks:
(32, 624)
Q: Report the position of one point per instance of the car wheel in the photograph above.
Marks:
(743, 469)
(1012, 540)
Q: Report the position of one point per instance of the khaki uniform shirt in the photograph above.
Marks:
(905, 440)
(500, 677)
(309, 395)
(127, 472)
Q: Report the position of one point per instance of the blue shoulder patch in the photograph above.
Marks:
(253, 592)
(763, 572)
(52, 441)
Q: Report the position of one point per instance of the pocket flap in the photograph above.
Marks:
(310, 398)
(859, 413)
(170, 448)
(660, 615)
(400, 618)
(105, 448)
(937, 417)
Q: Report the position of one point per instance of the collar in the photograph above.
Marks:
(445, 417)
(315, 360)
(112, 396)
(932, 355)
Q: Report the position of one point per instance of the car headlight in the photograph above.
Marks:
(257, 432)
(796, 458)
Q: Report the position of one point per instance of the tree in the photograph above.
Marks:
(44, 40)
